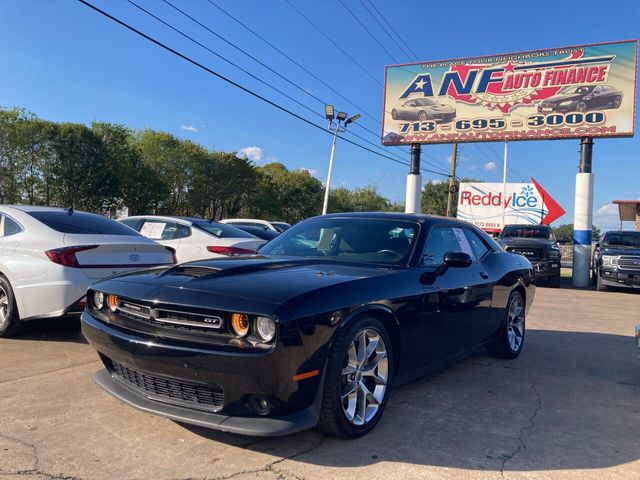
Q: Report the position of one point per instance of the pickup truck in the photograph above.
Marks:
(616, 260)
(538, 244)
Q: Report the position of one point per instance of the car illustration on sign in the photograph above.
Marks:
(582, 99)
(312, 331)
(423, 109)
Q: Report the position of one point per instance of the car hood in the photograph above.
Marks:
(256, 282)
(564, 97)
(525, 242)
(620, 250)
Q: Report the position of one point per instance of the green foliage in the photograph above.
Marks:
(566, 230)
(108, 166)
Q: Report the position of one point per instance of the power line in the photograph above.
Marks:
(232, 82)
(434, 164)
(404, 52)
(334, 43)
(375, 39)
(302, 67)
(384, 19)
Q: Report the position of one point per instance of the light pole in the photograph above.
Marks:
(341, 117)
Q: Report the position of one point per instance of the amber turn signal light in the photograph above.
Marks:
(240, 324)
(112, 302)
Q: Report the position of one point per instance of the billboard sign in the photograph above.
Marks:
(569, 92)
(483, 204)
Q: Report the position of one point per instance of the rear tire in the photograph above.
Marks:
(357, 381)
(509, 339)
(600, 285)
(10, 324)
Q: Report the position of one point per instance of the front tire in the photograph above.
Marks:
(422, 115)
(510, 338)
(394, 114)
(581, 107)
(554, 282)
(10, 324)
(617, 101)
(357, 380)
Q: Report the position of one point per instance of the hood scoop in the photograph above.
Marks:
(195, 271)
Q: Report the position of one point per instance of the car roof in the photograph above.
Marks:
(409, 217)
(36, 208)
(173, 218)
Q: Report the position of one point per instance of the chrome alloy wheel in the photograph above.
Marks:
(364, 377)
(515, 324)
(4, 307)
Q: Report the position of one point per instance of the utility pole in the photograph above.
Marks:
(504, 183)
(452, 180)
(583, 216)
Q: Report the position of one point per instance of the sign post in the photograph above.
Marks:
(583, 217)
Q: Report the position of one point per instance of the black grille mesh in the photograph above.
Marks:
(170, 391)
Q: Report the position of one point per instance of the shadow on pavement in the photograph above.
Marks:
(570, 401)
(66, 329)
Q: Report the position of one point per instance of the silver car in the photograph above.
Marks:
(423, 109)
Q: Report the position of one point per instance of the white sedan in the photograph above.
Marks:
(194, 238)
(49, 256)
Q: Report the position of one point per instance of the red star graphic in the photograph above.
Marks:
(509, 67)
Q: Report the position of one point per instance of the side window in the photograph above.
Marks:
(441, 240)
(478, 246)
(11, 227)
(158, 230)
(183, 231)
(131, 223)
(1, 226)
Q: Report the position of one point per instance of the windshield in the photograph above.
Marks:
(581, 90)
(622, 239)
(222, 230)
(424, 102)
(363, 240)
(518, 231)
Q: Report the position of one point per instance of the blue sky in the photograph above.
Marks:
(64, 62)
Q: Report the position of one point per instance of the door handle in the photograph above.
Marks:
(484, 275)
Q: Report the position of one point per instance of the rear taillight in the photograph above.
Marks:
(229, 250)
(173, 254)
(66, 256)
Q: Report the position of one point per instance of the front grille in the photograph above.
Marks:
(529, 253)
(209, 398)
(629, 262)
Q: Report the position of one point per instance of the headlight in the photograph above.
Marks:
(112, 302)
(240, 324)
(265, 328)
(609, 260)
(554, 251)
(98, 300)
(566, 102)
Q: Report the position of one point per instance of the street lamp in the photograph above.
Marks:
(337, 128)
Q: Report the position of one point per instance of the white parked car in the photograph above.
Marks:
(49, 256)
(254, 222)
(194, 238)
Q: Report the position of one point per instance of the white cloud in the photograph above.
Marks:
(252, 153)
(437, 181)
(189, 128)
(490, 166)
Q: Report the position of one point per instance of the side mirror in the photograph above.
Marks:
(451, 259)
(457, 259)
(598, 245)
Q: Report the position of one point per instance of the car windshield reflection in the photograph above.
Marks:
(387, 242)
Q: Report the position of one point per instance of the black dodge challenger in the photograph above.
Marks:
(313, 330)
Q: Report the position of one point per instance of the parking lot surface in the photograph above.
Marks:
(567, 408)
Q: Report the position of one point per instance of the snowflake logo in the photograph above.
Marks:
(527, 191)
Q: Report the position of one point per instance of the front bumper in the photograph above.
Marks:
(163, 374)
(619, 278)
(555, 108)
(546, 268)
(254, 426)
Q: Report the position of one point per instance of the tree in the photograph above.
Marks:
(435, 194)
(363, 199)
(566, 230)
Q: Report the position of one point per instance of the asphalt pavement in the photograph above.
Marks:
(567, 408)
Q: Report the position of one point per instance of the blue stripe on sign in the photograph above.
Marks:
(582, 237)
